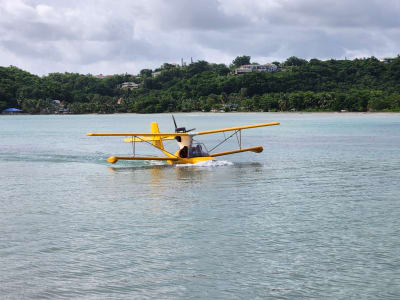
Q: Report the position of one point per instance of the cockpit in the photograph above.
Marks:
(196, 150)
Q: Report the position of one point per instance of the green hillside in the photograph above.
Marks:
(333, 85)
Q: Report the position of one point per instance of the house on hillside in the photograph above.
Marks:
(386, 60)
(130, 85)
(155, 74)
(256, 68)
(58, 107)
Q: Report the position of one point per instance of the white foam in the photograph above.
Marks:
(208, 163)
(156, 162)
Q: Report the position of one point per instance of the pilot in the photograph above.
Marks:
(195, 151)
(199, 151)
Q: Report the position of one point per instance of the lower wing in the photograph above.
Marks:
(256, 149)
(114, 159)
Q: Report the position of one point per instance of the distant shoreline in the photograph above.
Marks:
(231, 112)
(359, 85)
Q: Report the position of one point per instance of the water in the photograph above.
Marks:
(316, 215)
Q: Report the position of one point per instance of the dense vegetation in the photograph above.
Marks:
(333, 85)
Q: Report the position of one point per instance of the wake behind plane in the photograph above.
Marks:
(189, 151)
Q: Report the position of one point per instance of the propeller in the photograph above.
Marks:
(181, 129)
(173, 118)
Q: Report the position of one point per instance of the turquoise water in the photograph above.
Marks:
(316, 215)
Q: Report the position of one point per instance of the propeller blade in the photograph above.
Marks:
(178, 129)
(174, 122)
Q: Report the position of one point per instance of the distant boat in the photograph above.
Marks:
(11, 111)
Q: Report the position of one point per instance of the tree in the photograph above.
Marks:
(3, 105)
(355, 85)
(220, 69)
(167, 66)
(241, 60)
(295, 61)
(145, 73)
(197, 67)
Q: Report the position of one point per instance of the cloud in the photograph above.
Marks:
(109, 37)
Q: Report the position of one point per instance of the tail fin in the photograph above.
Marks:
(157, 141)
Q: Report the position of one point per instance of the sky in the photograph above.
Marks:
(125, 36)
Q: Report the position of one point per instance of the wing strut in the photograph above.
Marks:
(227, 138)
(170, 155)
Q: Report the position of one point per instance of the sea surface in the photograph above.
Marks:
(314, 216)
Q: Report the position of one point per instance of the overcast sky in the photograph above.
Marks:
(125, 36)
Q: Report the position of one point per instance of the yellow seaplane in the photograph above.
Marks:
(190, 151)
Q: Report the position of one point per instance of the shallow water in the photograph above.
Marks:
(316, 215)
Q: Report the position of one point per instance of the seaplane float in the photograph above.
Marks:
(190, 151)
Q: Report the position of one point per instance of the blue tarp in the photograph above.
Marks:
(12, 110)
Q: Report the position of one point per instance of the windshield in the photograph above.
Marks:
(197, 150)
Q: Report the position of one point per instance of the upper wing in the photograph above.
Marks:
(236, 128)
(174, 134)
(162, 135)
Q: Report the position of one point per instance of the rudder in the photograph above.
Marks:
(157, 141)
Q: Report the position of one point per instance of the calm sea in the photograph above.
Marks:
(316, 215)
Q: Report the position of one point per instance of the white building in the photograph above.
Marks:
(155, 74)
(130, 85)
(256, 68)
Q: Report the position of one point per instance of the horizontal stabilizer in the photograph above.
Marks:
(147, 139)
